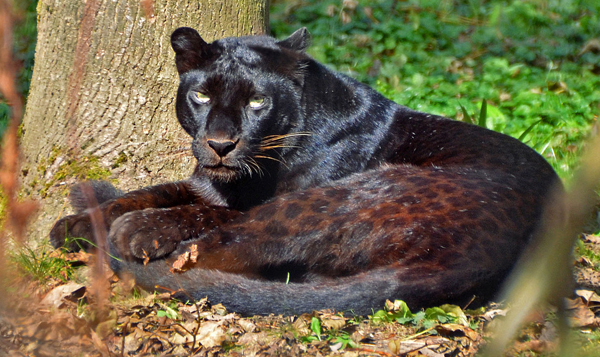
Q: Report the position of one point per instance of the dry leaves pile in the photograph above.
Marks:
(66, 321)
(60, 325)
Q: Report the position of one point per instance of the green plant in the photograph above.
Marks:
(4, 116)
(530, 60)
(345, 339)
(589, 340)
(482, 121)
(76, 240)
(315, 327)
(82, 308)
(40, 265)
(425, 319)
(582, 250)
(169, 310)
(335, 336)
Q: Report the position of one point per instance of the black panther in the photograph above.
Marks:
(313, 191)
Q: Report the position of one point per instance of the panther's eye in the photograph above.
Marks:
(256, 102)
(200, 98)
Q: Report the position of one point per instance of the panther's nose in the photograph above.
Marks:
(222, 147)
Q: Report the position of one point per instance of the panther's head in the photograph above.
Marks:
(239, 99)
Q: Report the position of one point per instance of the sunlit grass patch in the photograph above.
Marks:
(43, 264)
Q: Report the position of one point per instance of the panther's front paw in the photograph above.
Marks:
(73, 232)
(146, 234)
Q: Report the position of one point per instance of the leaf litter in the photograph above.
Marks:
(64, 322)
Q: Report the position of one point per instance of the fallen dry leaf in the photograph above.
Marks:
(588, 296)
(260, 338)
(247, 325)
(57, 296)
(331, 321)
(585, 262)
(430, 353)
(579, 314)
(591, 238)
(492, 313)
(133, 341)
(76, 258)
(402, 347)
(100, 345)
(189, 257)
(453, 329)
(534, 346)
(211, 334)
(592, 45)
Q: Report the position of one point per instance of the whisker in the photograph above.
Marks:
(271, 142)
(273, 138)
(269, 147)
(263, 156)
(256, 166)
(281, 136)
(278, 154)
(272, 158)
(247, 168)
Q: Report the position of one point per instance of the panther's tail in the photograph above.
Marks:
(103, 191)
(359, 294)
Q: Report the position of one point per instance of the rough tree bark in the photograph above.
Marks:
(102, 94)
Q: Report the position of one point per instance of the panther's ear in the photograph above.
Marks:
(298, 41)
(190, 49)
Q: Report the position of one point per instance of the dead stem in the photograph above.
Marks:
(17, 212)
(545, 274)
(100, 286)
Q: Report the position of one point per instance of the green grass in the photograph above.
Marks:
(581, 250)
(40, 266)
(524, 58)
(589, 340)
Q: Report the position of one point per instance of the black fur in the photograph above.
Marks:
(304, 173)
(102, 190)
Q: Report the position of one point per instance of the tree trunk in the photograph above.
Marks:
(103, 90)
